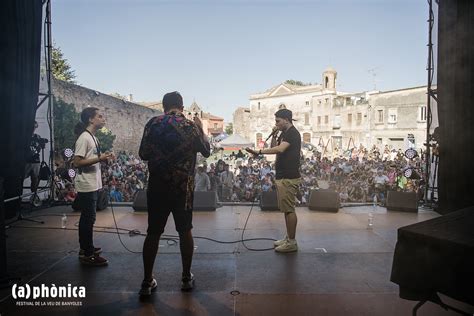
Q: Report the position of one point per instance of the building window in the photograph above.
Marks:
(359, 118)
(319, 102)
(380, 116)
(392, 116)
(337, 122)
(422, 113)
(307, 137)
(319, 120)
(259, 106)
(326, 119)
(215, 125)
(307, 102)
(349, 118)
(326, 100)
(306, 119)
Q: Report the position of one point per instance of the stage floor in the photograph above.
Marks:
(341, 268)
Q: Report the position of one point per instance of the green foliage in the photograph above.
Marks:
(106, 139)
(297, 83)
(61, 68)
(229, 129)
(65, 119)
(118, 96)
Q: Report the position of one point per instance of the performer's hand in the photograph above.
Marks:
(106, 156)
(197, 120)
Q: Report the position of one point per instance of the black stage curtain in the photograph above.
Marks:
(20, 45)
(455, 104)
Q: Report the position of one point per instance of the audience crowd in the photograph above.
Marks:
(357, 175)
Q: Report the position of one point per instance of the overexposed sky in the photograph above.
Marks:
(219, 52)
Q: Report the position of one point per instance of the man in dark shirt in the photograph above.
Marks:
(287, 147)
(32, 166)
(169, 144)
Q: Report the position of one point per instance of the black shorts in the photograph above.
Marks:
(163, 202)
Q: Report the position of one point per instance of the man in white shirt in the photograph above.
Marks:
(201, 180)
(88, 181)
(227, 182)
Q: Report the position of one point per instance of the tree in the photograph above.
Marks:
(61, 68)
(118, 96)
(106, 139)
(297, 83)
(65, 118)
(229, 129)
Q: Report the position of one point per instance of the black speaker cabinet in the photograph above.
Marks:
(139, 203)
(204, 201)
(402, 201)
(324, 200)
(269, 201)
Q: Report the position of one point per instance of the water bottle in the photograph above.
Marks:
(370, 221)
(64, 221)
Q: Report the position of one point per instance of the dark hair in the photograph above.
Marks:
(86, 115)
(284, 114)
(172, 100)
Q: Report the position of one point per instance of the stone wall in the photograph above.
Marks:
(124, 119)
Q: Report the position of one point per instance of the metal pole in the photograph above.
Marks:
(428, 102)
(49, 46)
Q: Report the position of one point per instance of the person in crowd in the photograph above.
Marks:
(380, 185)
(227, 183)
(201, 180)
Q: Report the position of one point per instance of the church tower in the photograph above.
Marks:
(329, 79)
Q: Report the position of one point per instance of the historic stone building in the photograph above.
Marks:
(335, 119)
(124, 119)
(212, 125)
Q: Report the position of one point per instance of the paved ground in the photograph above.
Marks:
(342, 268)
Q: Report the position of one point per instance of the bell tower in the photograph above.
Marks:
(329, 79)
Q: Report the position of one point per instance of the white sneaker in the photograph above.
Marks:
(148, 287)
(288, 246)
(280, 242)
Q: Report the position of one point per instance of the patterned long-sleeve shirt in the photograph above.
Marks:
(169, 144)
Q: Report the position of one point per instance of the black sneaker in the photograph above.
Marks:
(187, 283)
(94, 260)
(148, 287)
(97, 251)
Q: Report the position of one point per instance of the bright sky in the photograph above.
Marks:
(219, 52)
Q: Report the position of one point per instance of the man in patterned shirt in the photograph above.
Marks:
(170, 143)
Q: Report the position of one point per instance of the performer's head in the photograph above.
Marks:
(90, 117)
(172, 101)
(283, 119)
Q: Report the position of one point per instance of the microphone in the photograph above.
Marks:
(273, 133)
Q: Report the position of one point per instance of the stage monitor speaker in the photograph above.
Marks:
(402, 201)
(139, 202)
(269, 201)
(324, 200)
(204, 201)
